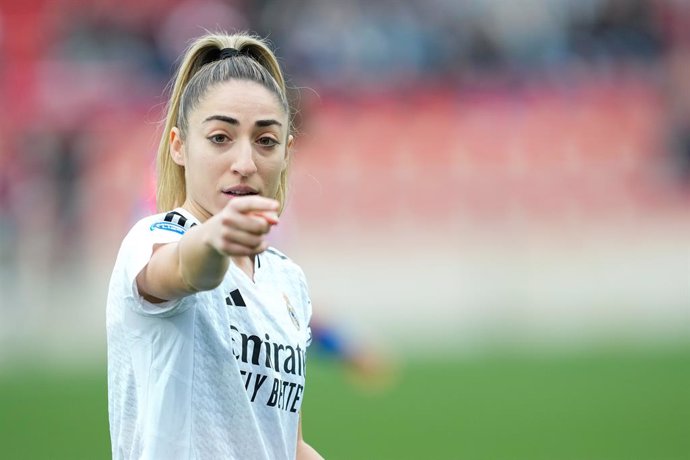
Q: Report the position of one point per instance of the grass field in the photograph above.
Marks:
(603, 405)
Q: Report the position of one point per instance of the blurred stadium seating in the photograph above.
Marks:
(506, 167)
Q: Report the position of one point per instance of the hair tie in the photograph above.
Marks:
(226, 53)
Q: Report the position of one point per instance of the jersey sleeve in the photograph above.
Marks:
(135, 253)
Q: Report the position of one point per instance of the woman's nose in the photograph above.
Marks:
(243, 159)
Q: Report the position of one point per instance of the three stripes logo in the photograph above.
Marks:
(235, 298)
(173, 222)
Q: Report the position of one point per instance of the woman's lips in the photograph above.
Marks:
(240, 190)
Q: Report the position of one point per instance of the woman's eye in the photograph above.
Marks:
(218, 138)
(267, 141)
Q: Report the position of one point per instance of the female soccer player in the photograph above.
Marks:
(207, 325)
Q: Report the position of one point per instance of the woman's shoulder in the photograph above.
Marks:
(160, 228)
(169, 222)
(278, 259)
(272, 252)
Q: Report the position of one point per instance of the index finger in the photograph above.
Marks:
(245, 204)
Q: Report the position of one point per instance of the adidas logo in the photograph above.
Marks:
(235, 298)
(175, 217)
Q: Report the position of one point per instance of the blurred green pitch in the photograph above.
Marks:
(592, 405)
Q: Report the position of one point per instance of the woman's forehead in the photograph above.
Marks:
(240, 98)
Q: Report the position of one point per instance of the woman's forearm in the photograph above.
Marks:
(201, 266)
(178, 269)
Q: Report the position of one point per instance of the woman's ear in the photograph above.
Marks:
(176, 146)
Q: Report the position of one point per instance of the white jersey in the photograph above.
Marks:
(214, 375)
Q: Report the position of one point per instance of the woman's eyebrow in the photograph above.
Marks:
(265, 123)
(225, 118)
(236, 122)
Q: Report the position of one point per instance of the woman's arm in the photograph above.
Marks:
(304, 450)
(199, 260)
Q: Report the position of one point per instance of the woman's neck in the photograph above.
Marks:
(246, 264)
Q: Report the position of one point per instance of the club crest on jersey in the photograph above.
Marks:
(169, 226)
(291, 311)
